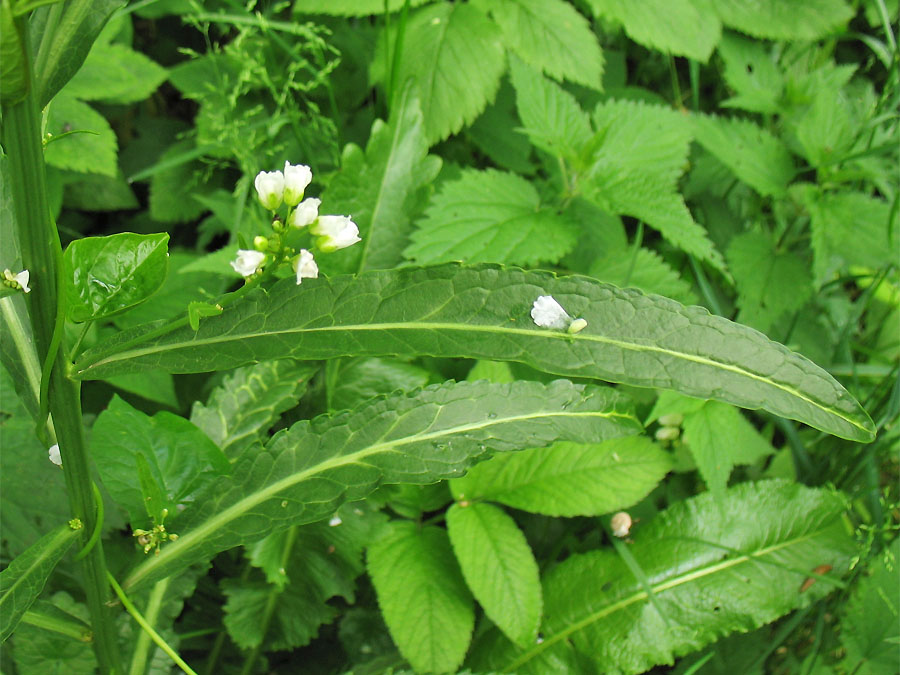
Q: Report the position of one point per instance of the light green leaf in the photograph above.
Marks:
(498, 567)
(115, 73)
(716, 566)
(422, 596)
(306, 472)
(643, 269)
(379, 187)
(495, 133)
(484, 312)
(770, 283)
(552, 118)
(14, 78)
(350, 7)
(456, 57)
(360, 379)
(681, 27)
(37, 651)
(243, 408)
(23, 580)
(825, 129)
(634, 170)
(181, 458)
(91, 152)
(754, 155)
(720, 438)
(490, 216)
(106, 275)
(778, 20)
(751, 70)
(569, 479)
(551, 36)
(869, 628)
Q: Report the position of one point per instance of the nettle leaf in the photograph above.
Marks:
(483, 312)
(350, 7)
(776, 20)
(358, 380)
(869, 628)
(455, 54)
(643, 269)
(422, 595)
(106, 275)
(715, 565)
(642, 152)
(306, 472)
(770, 283)
(569, 479)
(241, 410)
(91, 152)
(498, 567)
(23, 580)
(690, 28)
(849, 228)
(551, 116)
(490, 216)
(751, 70)
(116, 73)
(757, 157)
(496, 134)
(378, 187)
(180, 458)
(551, 36)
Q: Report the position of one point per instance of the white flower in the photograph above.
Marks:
(335, 521)
(18, 280)
(270, 188)
(335, 232)
(305, 266)
(306, 213)
(54, 454)
(621, 524)
(296, 178)
(247, 262)
(548, 313)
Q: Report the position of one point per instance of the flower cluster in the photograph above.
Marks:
(330, 233)
(17, 281)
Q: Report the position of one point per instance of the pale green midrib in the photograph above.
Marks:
(197, 535)
(144, 351)
(641, 595)
(49, 550)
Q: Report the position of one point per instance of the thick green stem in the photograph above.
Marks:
(40, 247)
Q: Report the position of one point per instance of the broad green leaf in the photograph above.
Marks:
(37, 651)
(360, 379)
(490, 216)
(498, 567)
(44, 614)
(380, 186)
(643, 269)
(62, 53)
(849, 228)
(456, 57)
(422, 596)
(181, 458)
(96, 192)
(173, 188)
(23, 580)
(569, 479)
(720, 438)
(642, 152)
(869, 628)
(13, 66)
(716, 566)
(306, 472)
(751, 70)
(551, 36)
(551, 116)
(243, 408)
(106, 275)
(681, 27)
(777, 20)
(350, 7)
(757, 157)
(826, 128)
(770, 283)
(115, 73)
(495, 133)
(153, 386)
(91, 152)
(484, 312)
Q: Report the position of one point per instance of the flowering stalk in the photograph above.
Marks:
(42, 256)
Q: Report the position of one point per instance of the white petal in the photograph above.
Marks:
(305, 213)
(53, 453)
(296, 178)
(335, 521)
(548, 313)
(247, 262)
(335, 232)
(270, 188)
(305, 266)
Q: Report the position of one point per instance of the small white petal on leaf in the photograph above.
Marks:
(54, 455)
(548, 313)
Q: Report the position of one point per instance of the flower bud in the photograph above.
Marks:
(270, 188)
(621, 524)
(335, 232)
(260, 243)
(667, 433)
(305, 213)
(671, 420)
(296, 178)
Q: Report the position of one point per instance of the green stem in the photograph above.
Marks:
(142, 647)
(41, 251)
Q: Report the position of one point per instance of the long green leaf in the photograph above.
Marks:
(484, 312)
(22, 582)
(309, 470)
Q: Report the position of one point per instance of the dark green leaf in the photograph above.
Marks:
(484, 312)
(306, 472)
(13, 66)
(37, 651)
(360, 379)
(92, 149)
(106, 275)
